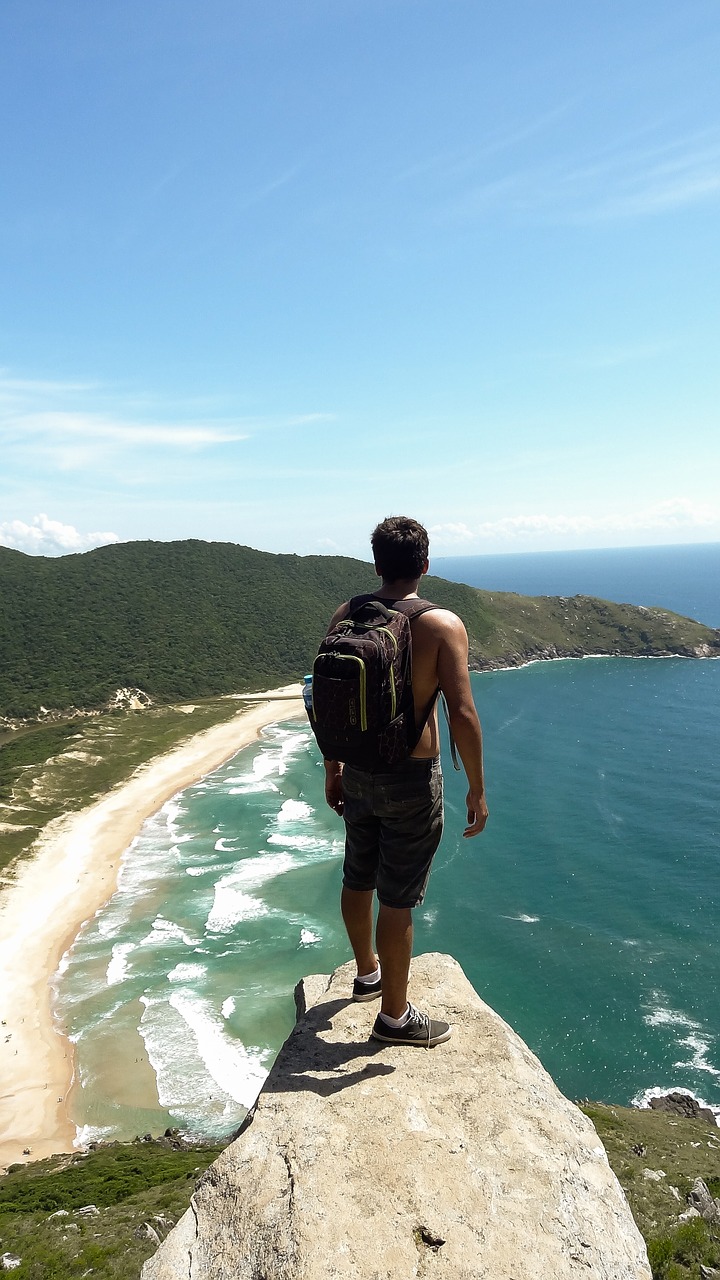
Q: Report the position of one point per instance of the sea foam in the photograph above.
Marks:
(118, 968)
(295, 811)
(205, 1077)
(233, 897)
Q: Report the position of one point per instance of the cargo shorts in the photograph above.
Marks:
(393, 826)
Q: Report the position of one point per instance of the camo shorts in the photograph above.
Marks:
(393, 825)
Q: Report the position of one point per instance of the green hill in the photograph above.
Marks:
(194, 619)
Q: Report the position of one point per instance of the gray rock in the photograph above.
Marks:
(88, 1211)
(162, 1222)
(699, 1198)
(375, 1162)
(147, 1232)
(708, 1273)
(683, 1104)
(9, 1261)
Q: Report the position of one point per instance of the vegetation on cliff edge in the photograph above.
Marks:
(145, 1182)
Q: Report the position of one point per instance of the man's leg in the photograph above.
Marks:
(357, 913)
(394, 944)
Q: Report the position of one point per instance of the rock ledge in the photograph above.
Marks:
(375, 1162)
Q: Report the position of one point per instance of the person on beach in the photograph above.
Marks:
(394, 820)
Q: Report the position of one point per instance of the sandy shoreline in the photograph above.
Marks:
(72, 875)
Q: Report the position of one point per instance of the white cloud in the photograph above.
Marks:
(672, 515)
(45, 537)
(39, 387)
(624, 180)
(95, 427)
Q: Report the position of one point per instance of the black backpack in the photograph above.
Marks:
(362, 710)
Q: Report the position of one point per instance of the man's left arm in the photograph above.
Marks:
(454, 680)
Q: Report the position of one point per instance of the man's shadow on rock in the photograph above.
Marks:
(306, 1054)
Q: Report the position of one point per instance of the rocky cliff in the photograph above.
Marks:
(375, 1162)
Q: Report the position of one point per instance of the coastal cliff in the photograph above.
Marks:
(368, 1161)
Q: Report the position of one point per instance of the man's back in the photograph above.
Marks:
(439, 660)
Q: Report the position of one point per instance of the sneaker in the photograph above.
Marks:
(366, 990)
(419, 1030)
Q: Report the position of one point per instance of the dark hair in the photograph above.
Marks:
(400, 547)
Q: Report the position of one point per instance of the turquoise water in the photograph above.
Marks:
(586, 914)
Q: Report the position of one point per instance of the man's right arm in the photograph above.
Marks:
(333, 768)
(454, 681)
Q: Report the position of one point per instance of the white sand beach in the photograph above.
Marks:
(72, 875)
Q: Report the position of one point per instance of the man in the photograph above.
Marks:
(394, 820)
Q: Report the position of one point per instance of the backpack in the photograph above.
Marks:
(362, 709)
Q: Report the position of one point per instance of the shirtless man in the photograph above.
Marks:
(393, 820)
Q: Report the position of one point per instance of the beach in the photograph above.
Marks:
(72, 874)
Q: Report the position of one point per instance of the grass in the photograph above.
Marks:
(683, 1150)
(130, 1184)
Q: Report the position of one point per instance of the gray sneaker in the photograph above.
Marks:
(420, 1031)
(366, 990)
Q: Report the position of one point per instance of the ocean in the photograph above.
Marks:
(685, 579)
(586, 913)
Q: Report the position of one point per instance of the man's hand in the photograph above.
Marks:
(477, 813)
(333, 785)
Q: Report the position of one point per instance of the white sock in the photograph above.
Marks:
(370, 977)
(396, 1022)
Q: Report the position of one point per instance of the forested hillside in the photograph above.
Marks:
(192, 619)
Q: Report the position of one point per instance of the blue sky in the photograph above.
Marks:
(272, 271)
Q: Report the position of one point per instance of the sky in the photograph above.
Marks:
(271, 270)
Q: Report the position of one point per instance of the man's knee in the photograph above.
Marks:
(394, 917)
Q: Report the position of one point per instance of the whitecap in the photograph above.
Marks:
(202, 1071)
(164, 930)
(87, 1133)
(699, 1060)
(298, 842)
(118, 967)
(221, 846)
(64, 963)
(670, 1018)
(295, 811)
(266, 762)
(308, 938)
(231, 907)
(228, 1007)
(233, 901)
(523, 919)
(187, 972)
(237, 1071)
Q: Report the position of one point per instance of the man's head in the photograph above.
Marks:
(400, 547)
